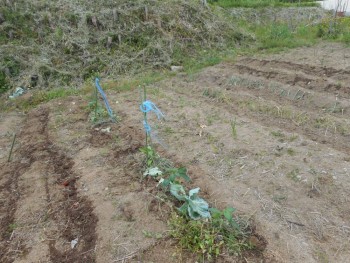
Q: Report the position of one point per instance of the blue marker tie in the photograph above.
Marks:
(147, 127)
(148, 106)
(100, 90)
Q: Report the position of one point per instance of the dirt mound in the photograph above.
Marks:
(61, 43)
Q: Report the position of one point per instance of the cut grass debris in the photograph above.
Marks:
(115, 39)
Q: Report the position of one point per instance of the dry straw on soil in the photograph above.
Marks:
(64, 42)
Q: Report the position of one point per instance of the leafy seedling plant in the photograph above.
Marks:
(97, 112)
(198, 228)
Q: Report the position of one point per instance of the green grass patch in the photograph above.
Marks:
(335, 29)
(280, 36)
(37, 98)
(208, 239)
(123, 84)
(132, 82)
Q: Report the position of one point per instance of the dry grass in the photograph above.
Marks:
(64, 42)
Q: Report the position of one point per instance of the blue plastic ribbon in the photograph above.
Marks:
(148, 106)
(148, 128)
(100, 90)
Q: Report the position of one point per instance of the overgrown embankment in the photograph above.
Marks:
(61, 43)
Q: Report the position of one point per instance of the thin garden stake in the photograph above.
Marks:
(145, 114)
(13, 143)
(96, 101)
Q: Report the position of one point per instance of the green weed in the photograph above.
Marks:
(335, 28)
(40, 97)
(12, 227)
(294, 175)
(277, 134)
(291, 152)
(97, 112)
(234, 129)
(174, 174)
(280, 35)
(151, 156)
(218, 95)
(293, 138)
(150, 234)
(208, 239)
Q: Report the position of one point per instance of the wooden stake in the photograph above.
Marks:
(13, 143)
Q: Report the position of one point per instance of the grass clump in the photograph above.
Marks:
(281, 35)
(37, 98)
(209, 238)
(335, 28)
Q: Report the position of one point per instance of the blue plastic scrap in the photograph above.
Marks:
(18, 92)
(100, 90)
(148, 128)
(148, 106)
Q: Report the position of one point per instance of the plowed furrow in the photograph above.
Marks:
(323, 129)
(296, 79)
(71, 215)
(312, 70)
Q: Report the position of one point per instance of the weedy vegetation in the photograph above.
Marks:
(198, 228)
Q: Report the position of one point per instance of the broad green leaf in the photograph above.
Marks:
(199, 206)
(193, 191)
(215, 213)
(165, 182)
(182, 172)
(153, 171)
(228, 213)
(178, 191)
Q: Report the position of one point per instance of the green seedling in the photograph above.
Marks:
(234, 128)
(150, 234)
(151, 155)
(174, 174)
(194, 206)
(224, 216)
(97, 112)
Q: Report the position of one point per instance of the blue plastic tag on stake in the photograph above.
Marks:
(100, 90)
(147, 127)
(148, 106)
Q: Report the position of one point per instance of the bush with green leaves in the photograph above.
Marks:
(194, 206)
(335, 28)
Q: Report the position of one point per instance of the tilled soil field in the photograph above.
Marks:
(268, 135)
